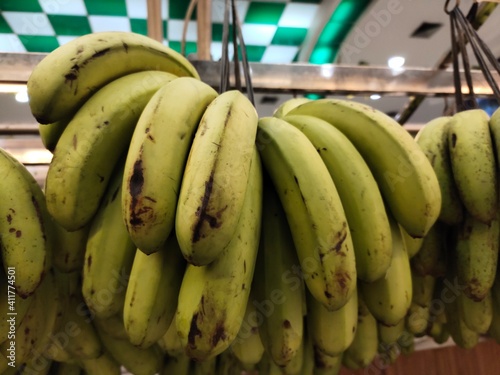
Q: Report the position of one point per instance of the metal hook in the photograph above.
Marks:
(446, 6)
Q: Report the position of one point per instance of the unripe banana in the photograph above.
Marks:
(109, 254)
(156, 158)
(151, 297)
(72, 73)
(288, 105)
(105, 364)
(178, 365)
(69, 248)
(494, 330)
(92, 144)
(433, 139)
(207, 320)
(216, 178)
(477, 316)
(431, 258)
(50, 133)
(418, 317)
(62, 368)
(207, 367)
(389, 298)
(113, 325)
(359, 194)
(471, 146)
(389, 335)
(279, 293)
(401, 169)
(313, 209)
(413, 245)
(171, 342)
(476, 256)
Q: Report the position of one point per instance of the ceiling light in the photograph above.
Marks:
(396, 62)
(375, 97)
(22, 96)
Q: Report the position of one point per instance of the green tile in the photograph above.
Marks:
(165, 29)
(264, 13)
(139, 26)
(20, 5)
(106, 8)
(70, 25)
(289, 36)
(254, 53)
(307, 1)
(190, 47)
(39, 43)
(177, 9)
(217, 32)
(4, 26)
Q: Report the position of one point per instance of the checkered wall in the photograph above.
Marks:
(274, 31)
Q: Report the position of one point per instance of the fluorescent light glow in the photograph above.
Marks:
(22, 97)
(396, 62)
(12, 88)
(375, 96)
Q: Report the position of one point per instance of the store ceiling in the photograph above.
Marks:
(276, 31)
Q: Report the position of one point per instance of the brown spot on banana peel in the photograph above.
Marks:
(202, 214)
(453, 139)
(318, 360)
(193, 331)
(219, 334)
(287, 324)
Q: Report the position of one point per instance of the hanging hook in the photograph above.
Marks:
(447, 4)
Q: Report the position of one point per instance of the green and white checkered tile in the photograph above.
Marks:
(273, 31)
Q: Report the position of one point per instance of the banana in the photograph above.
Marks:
(207, 367)
(24, 226)
(471, 146)
(113, 325)
(68, 76)
(313, 209)
(389, 298)
(308, 361)
(156, 159)
(50, 133)
(247, 347)
(105, 364)
(136, 360)
(69, 248)
(431, 258)
(151, 297)
(279, 293)
(332, 332)
(327, 365)
(213, 298)
(400, 167)
(228, 364)
(178, 365)
(477, 316)
(91, 145)
(109, 254)
(390, 335)
(359, 193)
(364, 347)
(418, 317)
(215, 178)
(66, 369)
(433, 140)
(288, 105)
(476, 256)
(494, 330)
(170, 342)
(294, 367)
(413, 245)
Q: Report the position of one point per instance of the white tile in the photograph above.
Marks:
(298, 15)
(258, 35)
(65, 39)
(279, 54)
(175, 28)
(218, 10)
(65, 7)
(11, 43)
(29, 23)
(109, 23)
(216, 51)
(137, 8)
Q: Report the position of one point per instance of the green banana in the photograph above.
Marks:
(400, 167)
(207, 367)
(476, 256)
(72, 73)
(471, 146)
(50, 133)
(151, 297)
(213, 298)
(390, 298)
(279, 293)
(136, 360)
(109, 254)
(332, 332)
(156, 158)
(105, 364)
(294, 367)
(308, 361)
(389, 335)
(67, 369)
(216, 178)
(178, 365)
(327, 365)
(494, 330)
(359, 194)
(113, 325)
(313, 209)
(68, 252)
(418, 316)
(91, 145)
(24, 226)
(477, 316)
(433, 139)
(170, 342)
(431, 258)
(364, 347)
(288, 105)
